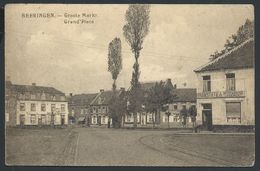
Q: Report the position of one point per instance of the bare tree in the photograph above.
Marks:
(114, 67)
(135, 30)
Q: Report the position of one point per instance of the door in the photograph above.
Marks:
(22, 120)
(40, 121)
(207, 119)
(99, 120)
(62, 119)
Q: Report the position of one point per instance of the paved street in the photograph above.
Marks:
(103, 147)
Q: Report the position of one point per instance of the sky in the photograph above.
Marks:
(73, 57)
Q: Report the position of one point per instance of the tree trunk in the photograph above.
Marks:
(135, 119)
(168, 121)
(153, 116)
(135, 78)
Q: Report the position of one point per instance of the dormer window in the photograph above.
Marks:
(43, 96)
(21, 95)
(53, 97)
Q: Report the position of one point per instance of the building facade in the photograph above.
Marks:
(79, 107)
(99, 107)
(185, 98)
(35, 105)
(225, 92)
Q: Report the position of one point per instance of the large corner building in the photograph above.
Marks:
(225, 92)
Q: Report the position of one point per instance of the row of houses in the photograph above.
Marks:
(224, 96)
(92, 109)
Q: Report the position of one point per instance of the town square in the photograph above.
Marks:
(152, 85)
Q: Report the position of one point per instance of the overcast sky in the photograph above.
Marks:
(73, 57)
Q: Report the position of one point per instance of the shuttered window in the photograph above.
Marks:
(233, 111)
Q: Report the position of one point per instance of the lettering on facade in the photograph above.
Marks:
(221, 94)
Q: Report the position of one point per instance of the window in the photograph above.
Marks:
(62, 107)
(230, 82)
(33, 107)
(175, 107)
(7, 117)
(94, 119)
(206, 83)
(43, 117)
(53, 106)
(103, 119)
(103, 109)
(150, 118)
(233, 112)
(22, 107)
(33, 119)
(43, 107)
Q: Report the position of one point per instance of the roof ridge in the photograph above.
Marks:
(224, 55)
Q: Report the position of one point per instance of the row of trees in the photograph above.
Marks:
(137, 100)
(135, 30)
(244, 32)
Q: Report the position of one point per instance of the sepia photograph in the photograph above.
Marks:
(130, 85)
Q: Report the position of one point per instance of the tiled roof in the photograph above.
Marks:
(82, 99)
(148, 85)
(240, 57)
(185, 95)
(35, 89)
(103, 98)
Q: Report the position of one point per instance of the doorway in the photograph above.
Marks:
(22, 120)
(99, 120)
(62, 120)
(207, 117)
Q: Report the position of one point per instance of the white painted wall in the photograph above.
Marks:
(27, 113)
(244, 82)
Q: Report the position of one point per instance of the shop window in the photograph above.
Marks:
(233, 112)
(22, 106)
(33, 107)
(43, 107)
(206, 83)
(230, 82)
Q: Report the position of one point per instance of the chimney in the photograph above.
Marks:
(34, 84)
(101, 90)
(122, 88)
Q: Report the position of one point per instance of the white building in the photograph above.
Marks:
(225, 93)
(36, 105)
